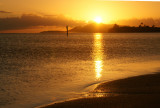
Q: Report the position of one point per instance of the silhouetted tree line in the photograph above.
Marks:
(127, 29)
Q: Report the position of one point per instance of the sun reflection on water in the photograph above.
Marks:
(98, 54)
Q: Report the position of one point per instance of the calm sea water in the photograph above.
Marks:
(37, 69)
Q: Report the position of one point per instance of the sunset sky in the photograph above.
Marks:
(54, 14)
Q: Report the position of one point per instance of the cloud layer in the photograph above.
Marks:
(5, 12)
(29, 21)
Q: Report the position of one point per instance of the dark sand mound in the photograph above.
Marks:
(135, 92)
(134, 85)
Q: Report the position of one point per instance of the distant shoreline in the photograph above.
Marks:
(96, 32)
(115, 28)
(53, 32)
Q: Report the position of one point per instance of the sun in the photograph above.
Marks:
(98, 19)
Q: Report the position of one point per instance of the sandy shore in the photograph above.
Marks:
(134, 92)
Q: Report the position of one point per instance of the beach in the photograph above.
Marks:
(134, 92)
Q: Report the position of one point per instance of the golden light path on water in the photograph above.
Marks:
(98, 54)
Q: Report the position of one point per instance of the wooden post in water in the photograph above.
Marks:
(67, 30)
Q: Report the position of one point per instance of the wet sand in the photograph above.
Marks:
(134, 92)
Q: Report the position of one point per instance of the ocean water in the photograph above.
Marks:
(37, 69)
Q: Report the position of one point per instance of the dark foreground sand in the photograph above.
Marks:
(135, 92)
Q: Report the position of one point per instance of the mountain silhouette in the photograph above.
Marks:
(114, 28)
(93, 28)
(109, 28)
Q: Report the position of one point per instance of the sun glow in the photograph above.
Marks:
(98, 19)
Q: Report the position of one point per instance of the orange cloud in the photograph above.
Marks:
(5, 12)
(28, 21)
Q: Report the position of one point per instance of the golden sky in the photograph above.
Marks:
(84, 10)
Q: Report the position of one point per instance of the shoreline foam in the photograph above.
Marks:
(138, 91)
